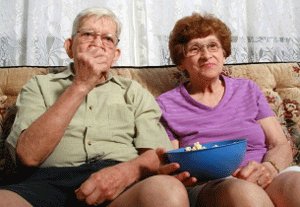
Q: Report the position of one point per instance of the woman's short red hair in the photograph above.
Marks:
(197, 26)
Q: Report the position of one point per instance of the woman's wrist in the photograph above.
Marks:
(274, 165)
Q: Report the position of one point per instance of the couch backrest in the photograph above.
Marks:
(279, 77)
(280, 82)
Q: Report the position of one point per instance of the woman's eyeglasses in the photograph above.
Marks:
(197, 48)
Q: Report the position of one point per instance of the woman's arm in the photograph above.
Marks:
(279, 150)
(277, 157)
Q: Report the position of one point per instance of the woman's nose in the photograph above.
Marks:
(205, 54)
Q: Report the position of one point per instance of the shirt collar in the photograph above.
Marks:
(69, 72)
(64, 73)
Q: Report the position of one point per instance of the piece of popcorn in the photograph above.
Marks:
(187, 149)
(196, 146)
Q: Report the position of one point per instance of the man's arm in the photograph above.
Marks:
(43, 135)
(39, 140)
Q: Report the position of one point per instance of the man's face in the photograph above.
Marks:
(97, 37)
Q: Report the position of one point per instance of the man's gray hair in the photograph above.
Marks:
(97, 12)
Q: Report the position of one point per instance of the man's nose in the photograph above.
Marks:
(97, 40)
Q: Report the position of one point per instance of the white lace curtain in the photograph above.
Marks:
(32, 32)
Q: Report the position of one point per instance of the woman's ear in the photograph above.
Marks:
(224, 53)
(224, 56)
(68, 47)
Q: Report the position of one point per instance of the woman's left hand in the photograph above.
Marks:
(260, 173)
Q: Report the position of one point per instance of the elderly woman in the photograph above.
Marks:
(213, 107)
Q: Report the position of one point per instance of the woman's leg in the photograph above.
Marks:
(159, 190)
(233, 192)
(284, 190)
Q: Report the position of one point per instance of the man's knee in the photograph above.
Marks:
(163, 190)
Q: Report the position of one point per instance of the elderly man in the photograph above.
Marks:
(88, 136)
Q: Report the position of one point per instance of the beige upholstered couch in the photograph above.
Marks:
(279, 81)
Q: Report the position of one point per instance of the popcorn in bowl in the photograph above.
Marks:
(196, 146)
(203, 161)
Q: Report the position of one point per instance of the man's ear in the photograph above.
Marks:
(68, 47)
(117, 55)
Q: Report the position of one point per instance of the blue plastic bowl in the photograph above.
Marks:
(217, 160)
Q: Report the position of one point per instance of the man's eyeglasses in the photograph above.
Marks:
(197, 48)
(108, 40)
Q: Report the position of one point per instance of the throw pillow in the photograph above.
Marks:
(7, 153)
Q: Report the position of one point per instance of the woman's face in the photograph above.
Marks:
(204, 58)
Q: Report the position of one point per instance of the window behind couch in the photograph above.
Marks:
(33, 32)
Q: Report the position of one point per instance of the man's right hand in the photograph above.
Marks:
(91, 66)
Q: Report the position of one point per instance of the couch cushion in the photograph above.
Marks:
(7, 154)
(3, 99)
(12, 80)
(2, 115)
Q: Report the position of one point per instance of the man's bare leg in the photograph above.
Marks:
(159, 190)
(12, 199)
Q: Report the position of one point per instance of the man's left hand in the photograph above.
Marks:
(172, 169)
